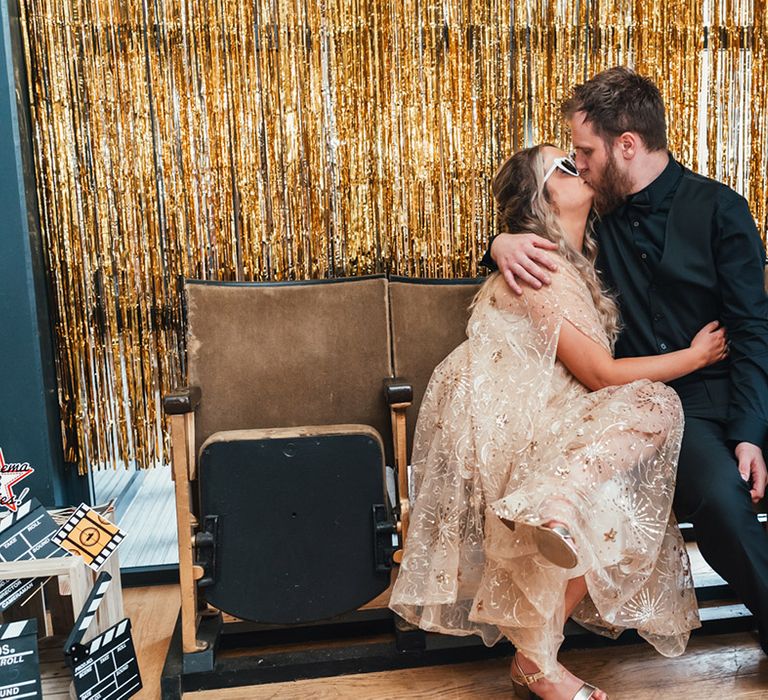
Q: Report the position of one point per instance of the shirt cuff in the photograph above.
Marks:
(746, 428)
(487, 260)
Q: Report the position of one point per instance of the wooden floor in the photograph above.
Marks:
(153, 612)
(715, 666)
(726, 666)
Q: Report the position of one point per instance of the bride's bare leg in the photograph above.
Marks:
(570, 684)
(574, 592)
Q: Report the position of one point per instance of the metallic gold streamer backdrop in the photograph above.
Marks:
(283, 139)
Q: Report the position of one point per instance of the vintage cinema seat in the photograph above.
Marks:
(279, 446)
(280, 440)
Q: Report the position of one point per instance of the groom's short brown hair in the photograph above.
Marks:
(619, 100)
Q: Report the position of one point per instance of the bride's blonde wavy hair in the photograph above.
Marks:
(524, 206)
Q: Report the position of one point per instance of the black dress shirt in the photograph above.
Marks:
(631, 245)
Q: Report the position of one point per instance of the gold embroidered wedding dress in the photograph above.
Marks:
(505, 430)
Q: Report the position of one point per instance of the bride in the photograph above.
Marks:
(543, 468)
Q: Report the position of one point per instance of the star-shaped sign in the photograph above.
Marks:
(11, 474)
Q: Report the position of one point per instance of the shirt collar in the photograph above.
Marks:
(651, 196)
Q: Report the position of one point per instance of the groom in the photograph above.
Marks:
(679, 250)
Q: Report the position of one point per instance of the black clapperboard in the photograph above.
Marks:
(19, 661)
(106, 667)
(25, 534)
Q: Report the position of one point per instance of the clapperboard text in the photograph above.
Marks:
(11, 473)
(19, 660)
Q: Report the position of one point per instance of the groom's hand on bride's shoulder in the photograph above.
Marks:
(752, 468)
(522, 257)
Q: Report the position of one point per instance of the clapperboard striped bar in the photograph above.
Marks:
(21, 512)
(90, 536)
(106, 667)
(12, 630)
(112, 633)
(88, 612)
(19, 660)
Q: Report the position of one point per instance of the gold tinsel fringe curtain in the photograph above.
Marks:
(282, 139)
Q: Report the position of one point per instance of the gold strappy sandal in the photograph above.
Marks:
(521, 682)
(585, 692)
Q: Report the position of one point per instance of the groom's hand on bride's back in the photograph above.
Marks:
(522, 258)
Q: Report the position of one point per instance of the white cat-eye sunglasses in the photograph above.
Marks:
(563, 163)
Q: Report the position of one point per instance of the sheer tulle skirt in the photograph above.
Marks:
(603, 463)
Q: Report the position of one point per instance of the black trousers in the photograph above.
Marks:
(711, 494)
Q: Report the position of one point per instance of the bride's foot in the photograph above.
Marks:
(556, 544)
(569, 687)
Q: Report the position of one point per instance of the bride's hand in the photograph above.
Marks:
(710, 344)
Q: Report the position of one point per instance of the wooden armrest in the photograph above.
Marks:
(399, 395)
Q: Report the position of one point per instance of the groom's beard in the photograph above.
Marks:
(612, 188)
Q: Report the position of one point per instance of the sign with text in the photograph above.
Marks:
(11, 473)
(19, 660)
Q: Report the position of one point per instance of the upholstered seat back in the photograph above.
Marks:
(429, 319)
(276, 355)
